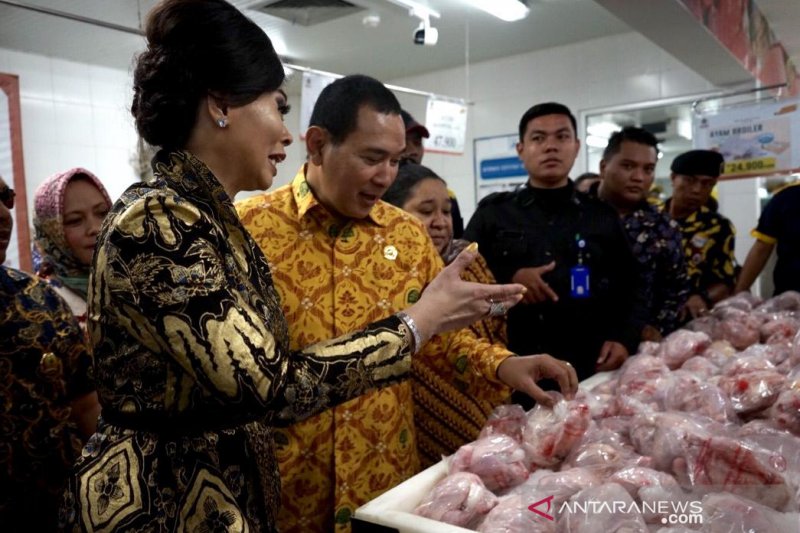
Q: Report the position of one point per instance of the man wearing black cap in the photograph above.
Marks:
(414, 152)
(708, 237)
(568, 248)
(414, 134)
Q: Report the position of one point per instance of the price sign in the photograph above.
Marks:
(446, 121)
(757, 140)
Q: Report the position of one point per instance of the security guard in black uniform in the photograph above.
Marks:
(567, 248)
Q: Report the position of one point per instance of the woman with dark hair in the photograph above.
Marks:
(69, 209)
(450, 407)
(192, 362)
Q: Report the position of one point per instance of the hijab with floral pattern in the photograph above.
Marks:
(57, 259)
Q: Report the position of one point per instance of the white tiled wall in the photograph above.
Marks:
(73, 114)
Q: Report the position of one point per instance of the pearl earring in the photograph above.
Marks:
(222, 123)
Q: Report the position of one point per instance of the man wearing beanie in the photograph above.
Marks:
(708, 237)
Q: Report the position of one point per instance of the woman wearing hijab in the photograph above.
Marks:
(69, 209)
(192, 359)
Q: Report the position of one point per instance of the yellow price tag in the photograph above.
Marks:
(749, 166)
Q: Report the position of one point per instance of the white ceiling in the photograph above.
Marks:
(345, 45)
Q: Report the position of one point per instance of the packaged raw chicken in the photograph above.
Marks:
(775, 353)
(720, 353)
(703, 324)
(743, 301)
(750, 360)
(690, 393)
(752, 392)
(512, 515)
(786, 301)
(785, 412)
(650, 487)
(780, 328)
(728, 513)
(498, 460)
(681, 345)
(550, 433)
(738, 327)
(641, 379)
(648, 348)
(602, 452)
(603, 508)
(505, 420)
(722, 463)
(460, 499)
(700, 367)
(566, 483)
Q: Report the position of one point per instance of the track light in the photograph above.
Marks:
(508, 10)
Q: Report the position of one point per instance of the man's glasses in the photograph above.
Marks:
(7, 196)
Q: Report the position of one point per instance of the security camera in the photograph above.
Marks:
(426, 34)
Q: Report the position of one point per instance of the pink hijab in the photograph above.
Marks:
(57, 260)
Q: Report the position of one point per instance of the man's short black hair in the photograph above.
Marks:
(337, 107)
(630, 134)
(540, 110)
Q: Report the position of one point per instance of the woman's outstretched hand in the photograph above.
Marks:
(449, 302)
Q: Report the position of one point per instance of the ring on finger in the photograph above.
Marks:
(496, 308)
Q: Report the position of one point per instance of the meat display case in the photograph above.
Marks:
(393, 511)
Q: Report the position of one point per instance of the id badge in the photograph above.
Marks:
(579, 281)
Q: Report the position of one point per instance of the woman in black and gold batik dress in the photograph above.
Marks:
(191, 348)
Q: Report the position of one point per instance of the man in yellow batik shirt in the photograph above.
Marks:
(339, 258)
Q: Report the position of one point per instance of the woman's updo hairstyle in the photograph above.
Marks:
(196, 48)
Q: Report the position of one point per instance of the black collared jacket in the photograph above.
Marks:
(531, 227)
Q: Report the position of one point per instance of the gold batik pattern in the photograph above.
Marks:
(708, 240)
(335, 277)
(44, 365)
(193, 365)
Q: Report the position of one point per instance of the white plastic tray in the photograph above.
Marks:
(395, 508)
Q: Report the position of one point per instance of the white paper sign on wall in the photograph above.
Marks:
(313, 83)
(446, 121)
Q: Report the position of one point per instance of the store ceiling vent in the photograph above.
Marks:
(672, 128)
(307, 12)
(659, 129)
